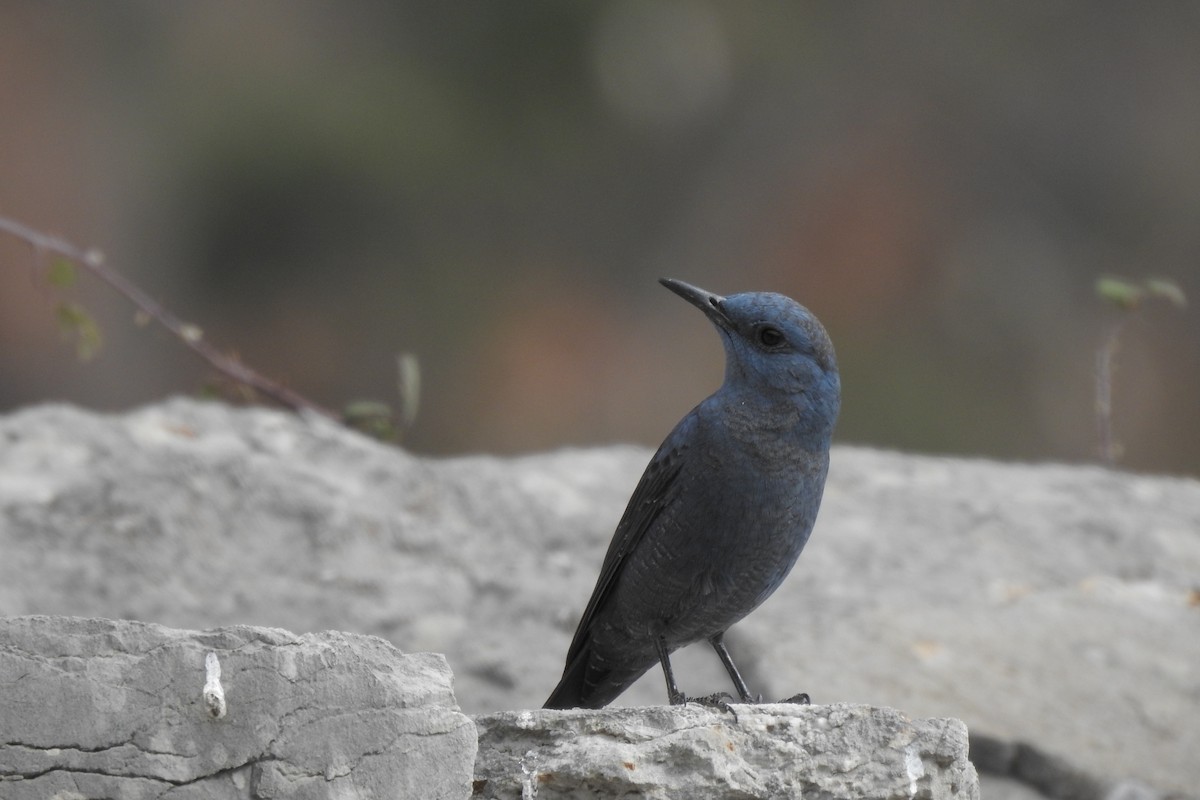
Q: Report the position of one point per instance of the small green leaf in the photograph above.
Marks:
(372, 418)
(77, 324)
(61, 274)
(1168, 290)
(1119, 292)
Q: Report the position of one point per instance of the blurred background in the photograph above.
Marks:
(496, 187)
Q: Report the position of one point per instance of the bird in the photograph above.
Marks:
(723, 509)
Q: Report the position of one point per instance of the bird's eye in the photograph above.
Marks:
(769, 337)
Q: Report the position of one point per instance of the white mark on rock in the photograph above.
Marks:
(914, 767)
(529, 776)
(214, 695)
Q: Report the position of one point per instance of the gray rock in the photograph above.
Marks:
(1049, 607)
(94, 708)
(194, 514)
(838, 751)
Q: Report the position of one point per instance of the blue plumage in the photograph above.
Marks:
(725, 505)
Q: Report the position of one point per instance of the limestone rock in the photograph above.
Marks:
(1050, 607)
(94, 708)
(837, 752)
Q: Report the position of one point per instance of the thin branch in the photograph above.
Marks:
(191, 335)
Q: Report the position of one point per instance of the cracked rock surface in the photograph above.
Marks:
(1052, 608)
(94, 708)
(663, 753)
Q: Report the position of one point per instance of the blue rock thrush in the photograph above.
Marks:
(723, 509)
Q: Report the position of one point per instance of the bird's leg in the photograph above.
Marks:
(718, 643)
(717, 640)
(678, 698)
(674, 696)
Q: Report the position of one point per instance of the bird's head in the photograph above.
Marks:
(774, 348)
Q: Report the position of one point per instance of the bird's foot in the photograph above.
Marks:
(719, 700)
(800, 699)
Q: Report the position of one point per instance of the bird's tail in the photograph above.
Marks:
(586, 684)
(569, 692)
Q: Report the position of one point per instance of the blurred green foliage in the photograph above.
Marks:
(495, 187)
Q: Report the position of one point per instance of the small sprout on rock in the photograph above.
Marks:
(372, 418)
(408, 386)
(1167, 290)
(1127, 296)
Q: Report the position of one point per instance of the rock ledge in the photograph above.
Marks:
(834, 751)
(95, 708)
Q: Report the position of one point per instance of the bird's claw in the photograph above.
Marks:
(800, 699)
(719, 700)
(723, 700)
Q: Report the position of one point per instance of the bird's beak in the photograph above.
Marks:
(711, 304)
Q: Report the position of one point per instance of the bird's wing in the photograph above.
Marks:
(652, 494)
